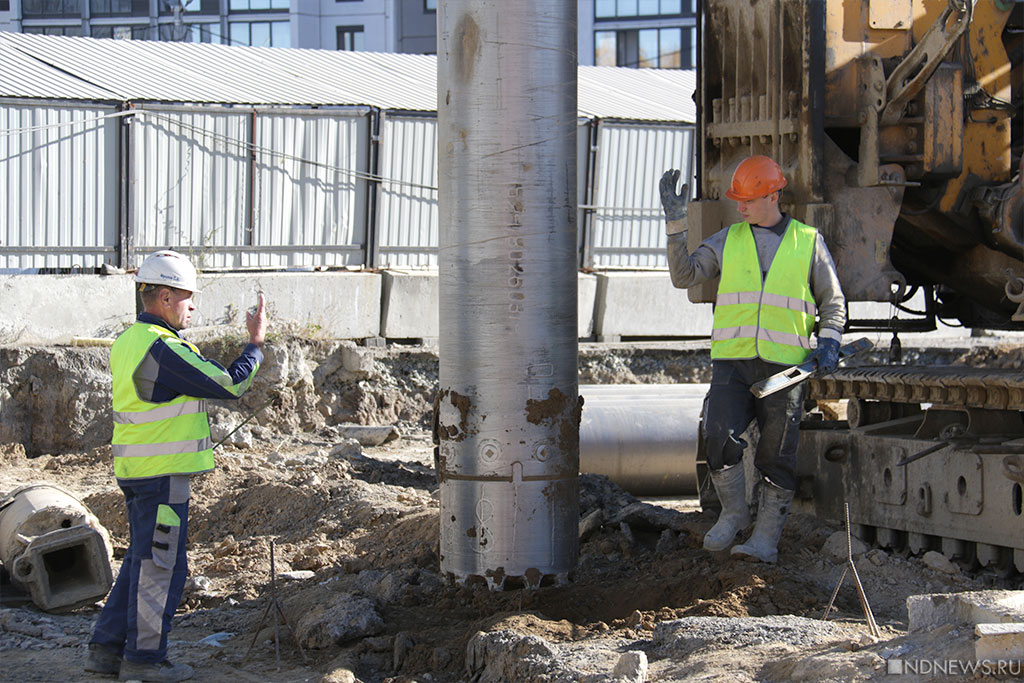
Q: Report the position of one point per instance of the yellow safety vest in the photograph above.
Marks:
(154, 439)
(772, 319)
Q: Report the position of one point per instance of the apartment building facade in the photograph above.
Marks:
(630, 33)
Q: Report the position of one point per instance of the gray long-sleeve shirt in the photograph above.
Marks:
(705, 263)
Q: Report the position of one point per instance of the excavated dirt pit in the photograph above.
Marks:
(355, 535)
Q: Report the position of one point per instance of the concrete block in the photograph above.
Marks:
(51, 309)
(586, 296)
(65, 568)
(409, 304)
(333, 305)
(927, 612)
(645, 304)
(999, 642)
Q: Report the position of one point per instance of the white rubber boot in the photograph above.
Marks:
(731, 488)
(762, 546)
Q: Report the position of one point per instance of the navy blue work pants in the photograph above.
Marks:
(731, 408)
(136, 618)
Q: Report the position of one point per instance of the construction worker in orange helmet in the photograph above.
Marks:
(777, 280)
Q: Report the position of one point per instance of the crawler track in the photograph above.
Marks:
(931, 458)
(947, 386)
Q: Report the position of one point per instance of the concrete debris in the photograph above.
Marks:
(347, 448)
(400, 650)
(297, 575)
(350, 617)
(509, 656)
(877, 556)
(368, 435)
(631, 667)
(930, 611)
(590, 523)
(835, 547)
(198, 584)
(668, 541)
(339, 676)
(680, 637)
(1000, 642)
(25, 630)
(939, 562)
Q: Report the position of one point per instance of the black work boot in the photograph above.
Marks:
(102, 661)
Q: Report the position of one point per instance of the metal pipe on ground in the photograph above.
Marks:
(508, 410)
(642, 436)
(53, 547)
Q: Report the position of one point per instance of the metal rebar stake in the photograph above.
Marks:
(852, 568)
(278, 614)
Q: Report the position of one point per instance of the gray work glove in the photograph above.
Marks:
(827, 355)
(673, 204)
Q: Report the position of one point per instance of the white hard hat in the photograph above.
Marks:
(168, 268)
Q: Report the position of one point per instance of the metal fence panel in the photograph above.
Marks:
(626, 223)
(583, 129)
(407, 217)
(58, 185)
(189, 183)
(310, 201)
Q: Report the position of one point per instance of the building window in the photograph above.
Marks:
(646, 48)
(191, 33)
(350, 38)
(54, 30)
(167, 7)
(257, 5)
(429, 6)
(5, 5)
(260, 33)
(617, 9)
(136, 32)
(106, 8)
(51, 8)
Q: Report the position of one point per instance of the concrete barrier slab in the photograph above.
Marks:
(645, 304)
(409, 304)
(333, 305)
(51, 309)
(586, 297)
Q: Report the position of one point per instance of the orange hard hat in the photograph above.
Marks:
(757, 176)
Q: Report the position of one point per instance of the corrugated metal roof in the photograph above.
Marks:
(63, 67)
(24, 76)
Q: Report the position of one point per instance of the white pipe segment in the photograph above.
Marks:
(642, 436)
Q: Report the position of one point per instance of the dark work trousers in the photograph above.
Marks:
(731, 408)
(136, 618)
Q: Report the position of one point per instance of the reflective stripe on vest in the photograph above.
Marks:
(770, 319)
(153, 439)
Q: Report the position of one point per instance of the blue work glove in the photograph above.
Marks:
(827, 355)
(674, 204)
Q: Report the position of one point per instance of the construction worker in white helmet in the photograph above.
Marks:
(161, 438)
(777, 280)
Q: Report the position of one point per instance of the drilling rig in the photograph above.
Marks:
(899, 126)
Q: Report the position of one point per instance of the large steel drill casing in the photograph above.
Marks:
(509, 408)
